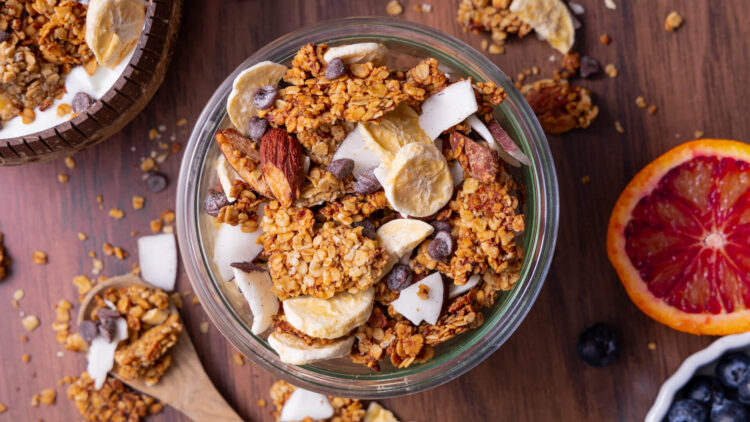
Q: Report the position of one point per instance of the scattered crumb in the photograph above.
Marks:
(204, 327)
(18, 294)
(673, 21)
(133, 233)
(698, 134)
(70, 162)
(424, 8)
(138, 202)
(534, 70)
(30, 322)
(108, 249)
(618, 127)
(585, 179)
(26, 358)
(153, 134)
(116, 213)
(156, 225)
(238, 359)
(424, 292)
(652, 109)
(261, 403)
(14, 303)
(162, 128)
(484, 44)
(177, 300)
(168, 216)
(35, 400)
(63, 178)
(99, 199)
(3, 408)
(611, 70)
(39, 258)
(576, 8)
(496, 49)
(92, 254)
(176, 147)
(641, 102)
(98, 266)
(183, 121)
(610, 4)
(82, 236)
(83, 283)
(651, 345)
(195, 300)
(24, 339)
(168, 229)
(394, 8)
(120, 254)
(148, 164)
(605, 39)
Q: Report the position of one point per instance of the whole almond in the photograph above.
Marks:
(242, 154)
(282, 165)
(482, 163)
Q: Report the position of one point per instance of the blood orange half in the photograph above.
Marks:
(679, 238)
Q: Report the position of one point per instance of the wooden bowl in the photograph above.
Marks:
(124, 100)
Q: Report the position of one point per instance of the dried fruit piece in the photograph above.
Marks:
(402, 235)
(241, 103)
(550, 19)
(242, 154)
(294, 351)
(341, 168)
(335, 68)
(113, 28)
(357, 53)
(419, 182)
(589, 67)
(559, 105)
(329, 318)
(281, 164)
(396, 129)
(481, 162)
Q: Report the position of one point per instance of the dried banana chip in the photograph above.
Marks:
(240, 104)
(551, 19)
(396, 129)
(419, 182)
(358, 53)
(113, 28)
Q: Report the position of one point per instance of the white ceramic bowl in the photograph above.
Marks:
(702, 362)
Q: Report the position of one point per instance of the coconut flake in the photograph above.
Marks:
(101, 357)
(234, 245)
(256, 287)
(456, 290)
(306, 404)
(355, 148)
(576, 8)
(416, 309)
(478, 126)
(448, 108)
(157, 257)
(227, 176)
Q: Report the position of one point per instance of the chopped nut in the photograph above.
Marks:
(120, 254)
(138, 202)
(238, 359)
(618, 127)
(281, 165)
(585, 179)
(70, 162)
(39, 257)
(611, 70)
(116, 213)
(30, 322)
(605, 39)
(394, 8)
(641, 102)
(168, 216)
(108, 249)
(148, 164)
(63, 178)
(183, 121)
(48, 396)
(26, 358)
(82, 236)
(652, 109)
(156, 225)
(673, 21)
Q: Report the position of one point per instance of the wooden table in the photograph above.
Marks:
(696, 76)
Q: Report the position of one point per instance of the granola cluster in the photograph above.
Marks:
(321, 142)
(153, 328)
(40, 40)
(114, 402)
(559, 105)
(355, 208)
(303, 259)
(493, 16)
(312, 100)
(61, 326)
(344, 410)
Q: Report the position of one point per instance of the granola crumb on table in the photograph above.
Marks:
(559, 105)
(115, 401)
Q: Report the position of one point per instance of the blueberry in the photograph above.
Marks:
(704, 389)
(743, 390)
(731, 368)
(687, 410)
(730, 411)
(598, 345)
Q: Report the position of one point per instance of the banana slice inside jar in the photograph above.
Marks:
(240, 105)
(330, 318)
(358, 53)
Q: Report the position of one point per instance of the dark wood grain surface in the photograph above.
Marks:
(696, 76)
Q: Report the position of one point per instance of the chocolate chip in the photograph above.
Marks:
(4, 36)
(399, 278)
(88, 330)
(214, 202)
(246, 266)
(335, 68)
(441, 226)
(156, 182)
(341, 168)
(256, 128)
(108, 329)
(366, 183)
(107, 314)
(441, 247)
(368, 228)
(589, 67)
(265, 97)
(81, 101)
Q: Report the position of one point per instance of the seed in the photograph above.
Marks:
(341, 168)
(265, 97)
(335, 68)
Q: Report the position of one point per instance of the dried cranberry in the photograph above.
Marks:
(399, 278)
(81, 101)
(441, 226)
(214, 202)
(335, 68)
(368, 228)
(156, 182)
(589, 67)
(441, 247)
(341, 168)
(88, 330)
(366, 183)
(256, 128)
(246, 266)
(265, 97)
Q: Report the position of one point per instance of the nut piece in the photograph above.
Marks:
(242, 155)
(154, 316)
(482, 163)
(281, 165)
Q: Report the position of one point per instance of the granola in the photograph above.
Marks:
(493, 16)
(115, 401)
(345, 410)
(559, 105)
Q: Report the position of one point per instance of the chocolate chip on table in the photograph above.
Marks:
(156, 182)
(368, 228)
(246, 266)
(256, 128)
(81, 101)
(214, 202)
(441, 247)
(265, 97)
(341, 168)
(88, 330)
(589, 67)
(335, 68)
(441, 226)
(399, 278)
(108, 329)
(366, 183)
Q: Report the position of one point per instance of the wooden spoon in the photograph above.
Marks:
(185, 386)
